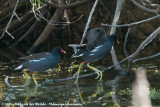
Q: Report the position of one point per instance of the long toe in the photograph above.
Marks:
(97, 75)
(101, 75)
(76, 82)
(38, 85)
(75, 74)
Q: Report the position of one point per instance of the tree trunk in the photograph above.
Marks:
(47, 31)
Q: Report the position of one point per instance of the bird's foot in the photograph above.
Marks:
(99, 73)
(38, 85)
(100, 80)
(76, 82)
(75, 74)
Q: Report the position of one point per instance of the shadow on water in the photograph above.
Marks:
(114, 90)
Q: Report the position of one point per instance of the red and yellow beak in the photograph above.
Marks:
(117, 41)
(62, 51)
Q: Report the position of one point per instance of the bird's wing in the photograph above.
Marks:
(95, 37)
(77, 47)
(34, 56)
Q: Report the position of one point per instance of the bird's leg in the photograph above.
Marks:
(78, 72)
(33, 76)
(26, 74)
(59, 67)
(96, 70)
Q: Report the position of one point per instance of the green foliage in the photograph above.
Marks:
(125, 92)
(108, 94)
(38, 3)
(154, 93)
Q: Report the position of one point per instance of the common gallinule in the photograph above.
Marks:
(96, 48)
(47, 62)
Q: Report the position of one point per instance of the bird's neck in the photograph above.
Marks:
(55, 53)
(110, 40)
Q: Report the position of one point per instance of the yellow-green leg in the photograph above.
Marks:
(26, 74)
(78, 72)
(59, 66)
(33, 76)
(80, 94)
(99, 73)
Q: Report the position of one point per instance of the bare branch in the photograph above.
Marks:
(88, 22)
(73, 5)
(148, 39)
(125, 42)
(47, 31)
(144, 58)
(134, 23)
(143, 7)
(5, 31)
(55, 23)
(17, 17)
(10, 34)
(113, 30)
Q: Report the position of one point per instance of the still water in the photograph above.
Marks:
(89, 92)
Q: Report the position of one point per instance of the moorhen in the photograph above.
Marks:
(47, 62)
(96, 48)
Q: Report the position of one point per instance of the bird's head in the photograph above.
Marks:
(62, 50)
(57, 50)
(114, 38)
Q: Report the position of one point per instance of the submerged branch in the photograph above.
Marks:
(8, 84)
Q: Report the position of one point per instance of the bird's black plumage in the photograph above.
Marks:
(42, 64)
(96, 48)
(97, 45)
(95, 37)
(34, 56)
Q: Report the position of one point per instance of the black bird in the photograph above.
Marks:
(47, 62)
(96, 48)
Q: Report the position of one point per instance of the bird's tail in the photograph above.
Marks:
(75, 56)
(76, 47)
(19, 67)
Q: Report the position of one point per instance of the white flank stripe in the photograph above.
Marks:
(19, 67)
